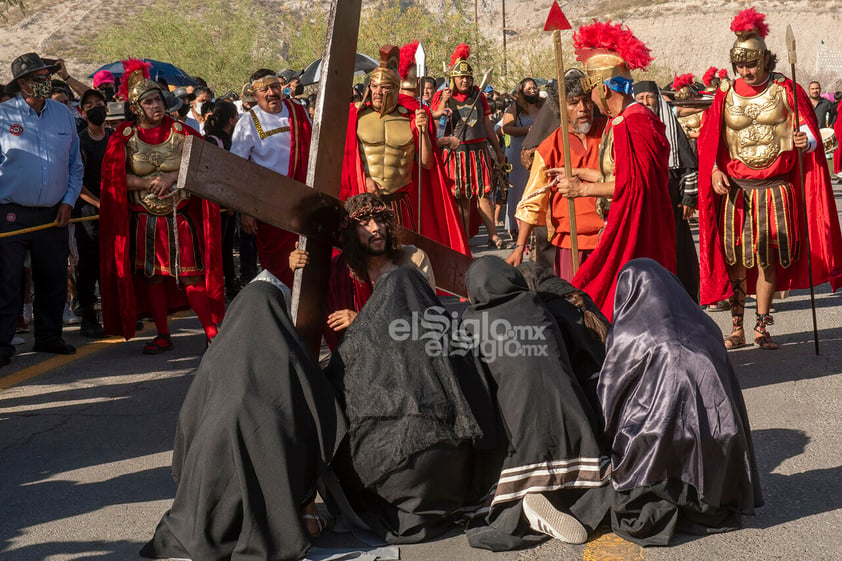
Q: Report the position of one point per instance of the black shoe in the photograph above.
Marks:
(54, 346)
(4, 360)
(91, 329)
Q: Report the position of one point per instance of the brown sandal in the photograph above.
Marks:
(761, 337)
(737, 338)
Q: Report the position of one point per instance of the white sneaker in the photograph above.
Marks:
(17, 340)
(69, 317)
(545, 518)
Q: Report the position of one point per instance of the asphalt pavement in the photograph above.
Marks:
(86, 444)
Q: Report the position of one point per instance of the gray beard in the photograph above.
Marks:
(584, 128)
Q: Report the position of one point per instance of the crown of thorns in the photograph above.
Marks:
(363, 215)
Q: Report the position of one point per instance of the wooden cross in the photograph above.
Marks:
(311, 210)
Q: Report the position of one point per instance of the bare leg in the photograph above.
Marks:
(465, 213)
(487, 215)
(737, 275)
(766, 280)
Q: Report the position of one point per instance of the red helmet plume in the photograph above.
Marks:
(131, 66)
(604, 36)
(682, 81)
(750, 21)
(407, 58)
(709, 75)
(462, 51)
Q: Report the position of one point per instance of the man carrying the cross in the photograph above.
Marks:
(153, 239)
(751, 235)
(388, 136)
(537, 209)
(276, 135)
(633, 167)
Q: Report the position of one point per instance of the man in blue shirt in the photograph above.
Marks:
(40, 179)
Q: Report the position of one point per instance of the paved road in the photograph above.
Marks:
(86, 445)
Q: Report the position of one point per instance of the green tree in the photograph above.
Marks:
(221, 40)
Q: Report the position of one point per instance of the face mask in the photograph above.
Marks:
(531, 99)
(40, 86)
(108, 92)
(96, 115)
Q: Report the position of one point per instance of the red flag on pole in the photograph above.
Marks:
(556, 19)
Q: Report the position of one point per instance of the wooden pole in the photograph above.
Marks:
(46, 226)
(790, 45)
(565, 145)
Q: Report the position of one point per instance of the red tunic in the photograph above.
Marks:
(122, 306)
(439, 220)
(275, 244)
(825, 238)
(640, 222)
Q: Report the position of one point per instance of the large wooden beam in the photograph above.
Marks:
(214, 174)
(224, 178)
(324, 169)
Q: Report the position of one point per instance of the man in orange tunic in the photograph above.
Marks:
(548, 207)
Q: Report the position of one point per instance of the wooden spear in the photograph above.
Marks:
(556, 22)
(790, 47)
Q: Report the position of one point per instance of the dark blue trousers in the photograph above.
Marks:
(49, 251)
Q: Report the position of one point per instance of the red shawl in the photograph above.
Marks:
(825, 238)
(640, 221)
(121, 304)
(439, 220)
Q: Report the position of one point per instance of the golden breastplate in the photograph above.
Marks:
(388, 148)
(150, 160)
(691, 123)
(606, 168)
(759, 128)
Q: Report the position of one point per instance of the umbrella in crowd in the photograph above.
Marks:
(174, 75)
(362, 65)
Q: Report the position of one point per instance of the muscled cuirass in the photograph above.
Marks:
(691, 123)
(758, 128)
(388, 148)
(150, 160)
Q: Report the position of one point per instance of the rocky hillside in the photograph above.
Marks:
(685, 36)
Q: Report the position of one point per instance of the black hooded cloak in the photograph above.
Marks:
(682, 455)
(552, 447)
(407, 467)
(259, 424)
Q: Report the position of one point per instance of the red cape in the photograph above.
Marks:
(275, 244)
(837, 129)
(439, 220)
(122, 306)
(825, 238)
(640, 221)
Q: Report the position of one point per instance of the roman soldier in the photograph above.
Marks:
(408, 70)
(160, 248)
(711, 82)
(465, 141)
(633, 164)
(689, 118)
(751, 236)
(386, 132)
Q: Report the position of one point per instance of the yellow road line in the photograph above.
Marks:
(87, 349)
(56, 361)
(611, 547)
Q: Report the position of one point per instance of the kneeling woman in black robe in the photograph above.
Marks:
(412, 410)
(552, 463)
(259, 424)
(682, 455)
